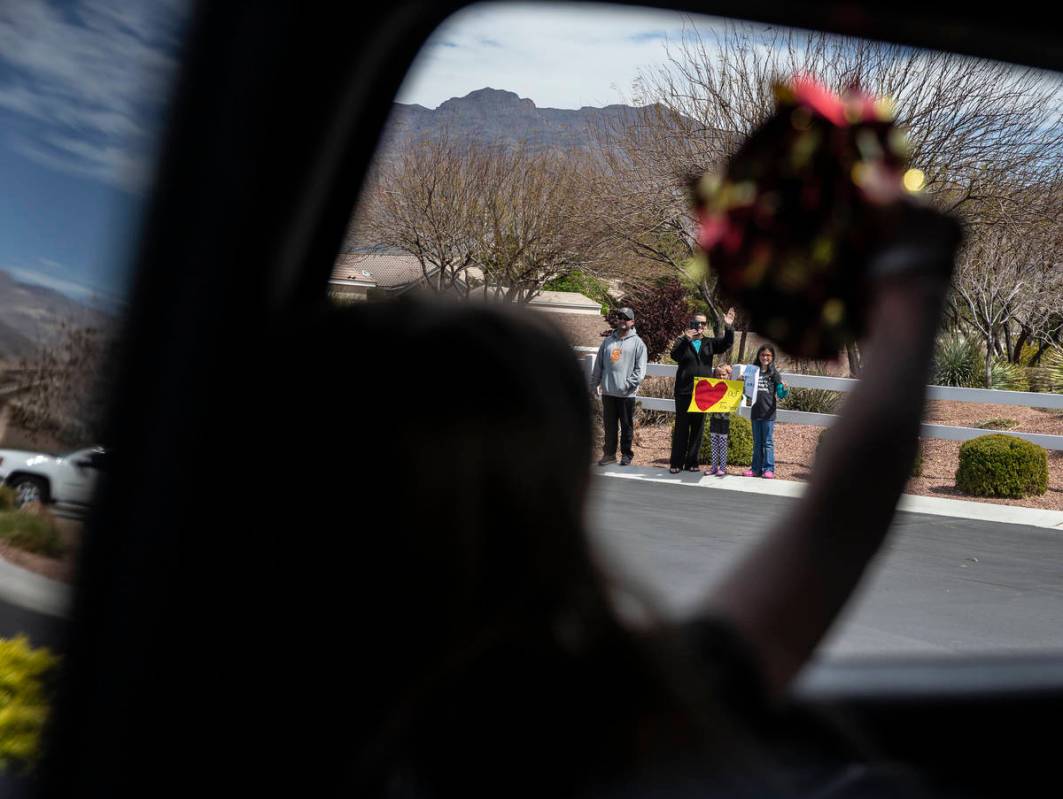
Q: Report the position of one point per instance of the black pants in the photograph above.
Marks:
(620, 409)
(689, 431)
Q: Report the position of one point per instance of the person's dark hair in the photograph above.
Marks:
(500, 632)
(772, 370)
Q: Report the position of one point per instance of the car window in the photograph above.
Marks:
(505, 175)
(84, 86)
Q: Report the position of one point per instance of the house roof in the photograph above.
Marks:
(580, 330)
(393, 271)
(566, 302)
(552, 301)
(385, 271)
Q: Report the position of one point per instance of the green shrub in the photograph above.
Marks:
(8, 498)
(917, 464)
(958, 361)
(1040, 379)
(1006, 376)
(739, 443)
(1052, 362)
(1002, 466)
(32, 532)
(811, 400)
(1029, 350)
(584, 284)
(25, 690)
(1048, 376)
(998, 424)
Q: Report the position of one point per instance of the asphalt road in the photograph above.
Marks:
(42, 629)
(941, 585)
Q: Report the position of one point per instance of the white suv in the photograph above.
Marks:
(53, 479)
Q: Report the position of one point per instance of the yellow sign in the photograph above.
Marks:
(715, 396)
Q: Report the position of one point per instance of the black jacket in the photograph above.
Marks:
(692, 363)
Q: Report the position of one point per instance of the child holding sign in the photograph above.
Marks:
(719, 430)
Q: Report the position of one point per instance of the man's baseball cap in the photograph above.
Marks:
(625, 313)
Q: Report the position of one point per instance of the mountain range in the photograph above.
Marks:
(494, 116)
(31, 315)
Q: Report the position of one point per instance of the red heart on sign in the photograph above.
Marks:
(706, 395)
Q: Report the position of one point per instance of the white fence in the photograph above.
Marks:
(1026, 399)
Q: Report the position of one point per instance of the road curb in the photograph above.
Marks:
(909, 503)
(31, 591)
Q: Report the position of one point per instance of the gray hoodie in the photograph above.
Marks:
(620, 366)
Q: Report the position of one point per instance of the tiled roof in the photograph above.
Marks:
(386, 271)
(580, 330)
(567, 300)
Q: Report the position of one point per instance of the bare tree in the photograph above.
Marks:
(499, 220)
(1038, 313)
(643, 198)
(66, 385)
(427, 200)
(1008, 272)
(536, 222)
(975, 128)
(979, 131)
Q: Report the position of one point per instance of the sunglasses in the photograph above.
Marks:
(700, 324)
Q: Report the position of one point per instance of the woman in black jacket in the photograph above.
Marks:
(693, 355)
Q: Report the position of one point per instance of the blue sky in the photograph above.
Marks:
(83, 85)
(560, 56)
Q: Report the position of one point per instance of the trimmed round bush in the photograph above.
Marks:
(739, 443)
(1002, 466)
(32, 532)
(917, 464)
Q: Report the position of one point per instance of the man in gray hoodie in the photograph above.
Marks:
(619, 369)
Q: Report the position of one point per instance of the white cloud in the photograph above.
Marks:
(560, 56)
(93, 77)
(51, 278)
(108, 163)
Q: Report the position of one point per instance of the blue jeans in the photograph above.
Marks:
(763, 446)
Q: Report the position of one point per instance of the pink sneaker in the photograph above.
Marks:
(769, 475)
(748, 473)
(721, 472)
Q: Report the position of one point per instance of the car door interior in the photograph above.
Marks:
(206, 655)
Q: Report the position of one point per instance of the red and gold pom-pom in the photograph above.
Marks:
(790, 224)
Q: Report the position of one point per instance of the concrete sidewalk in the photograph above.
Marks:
(934, 506)
(31, 591)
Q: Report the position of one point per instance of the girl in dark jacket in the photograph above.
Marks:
(770, 389)
(693, 356)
